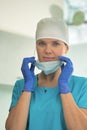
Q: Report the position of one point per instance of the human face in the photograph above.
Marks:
(49, 49)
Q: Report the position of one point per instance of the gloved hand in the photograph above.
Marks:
(66, 71)
(28, 74)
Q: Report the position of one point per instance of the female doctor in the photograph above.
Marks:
(53, 99)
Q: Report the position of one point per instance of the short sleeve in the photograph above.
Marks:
(82, 103)
(16, 93)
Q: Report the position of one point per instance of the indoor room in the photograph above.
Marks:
(18, 20)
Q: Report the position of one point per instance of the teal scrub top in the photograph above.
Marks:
(46, 111)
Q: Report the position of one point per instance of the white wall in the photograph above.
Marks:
(13, 48)
(78, 54)
(21, 16)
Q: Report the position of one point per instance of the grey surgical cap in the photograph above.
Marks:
(52, 28)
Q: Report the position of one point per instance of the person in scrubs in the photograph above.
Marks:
(53, 99)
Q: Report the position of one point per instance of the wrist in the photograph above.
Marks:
(64, 88)
(28, 87)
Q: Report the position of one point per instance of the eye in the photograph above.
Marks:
(41, 43)
(56, 43)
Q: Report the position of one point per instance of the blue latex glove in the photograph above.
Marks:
(66, 71)
(28, 74)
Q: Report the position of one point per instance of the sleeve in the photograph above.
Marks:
(16, 93)
(82, 103)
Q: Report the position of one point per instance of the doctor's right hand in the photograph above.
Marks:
(28, 74)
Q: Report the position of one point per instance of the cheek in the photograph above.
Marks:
(63, 52)
(60, 52)
(38, 53)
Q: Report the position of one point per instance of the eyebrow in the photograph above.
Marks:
(57, 41)
(60, 41)
(40, 40)
(44, 40)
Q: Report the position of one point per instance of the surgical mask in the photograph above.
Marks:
(48, 67)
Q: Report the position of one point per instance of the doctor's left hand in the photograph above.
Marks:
(66, 72)
(28, 73)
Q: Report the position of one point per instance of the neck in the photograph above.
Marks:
(50, 77)
(50, 80)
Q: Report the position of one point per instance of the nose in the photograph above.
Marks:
(48, 49)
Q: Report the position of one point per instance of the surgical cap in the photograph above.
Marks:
(52, 28)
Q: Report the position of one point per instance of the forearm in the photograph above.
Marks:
(17, 118)
(75, 118)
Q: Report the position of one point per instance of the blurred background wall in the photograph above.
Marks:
(18, 20)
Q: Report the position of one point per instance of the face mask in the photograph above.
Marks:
(48, 67)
